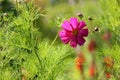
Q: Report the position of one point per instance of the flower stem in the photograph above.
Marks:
(54, 39)
(17, 5)
(38, 57)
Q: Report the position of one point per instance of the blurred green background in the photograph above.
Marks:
(54, 12)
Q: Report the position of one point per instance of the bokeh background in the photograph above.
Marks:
(101, 37)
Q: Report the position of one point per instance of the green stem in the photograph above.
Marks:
(32, 42)
(34, 51)
(54, 39)
(17, 5)
(38, 57)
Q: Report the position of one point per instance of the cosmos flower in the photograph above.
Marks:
(92, 70)
(92, 46)
(108, 61)
(108, 75)
(80, 60)
(74, 32)
(107, 36)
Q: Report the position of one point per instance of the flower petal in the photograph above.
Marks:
(80, 40)
(74, 22)
(65, 39)
(83, 32)
(81, 24)
(73, 42)
(66, 25)
(65, 36)
(62, 33)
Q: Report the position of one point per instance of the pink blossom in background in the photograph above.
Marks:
(73, 32)
(92, 46)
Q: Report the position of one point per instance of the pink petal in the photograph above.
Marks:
(74, 22)
(62, 33)
(80, 40)
(73, 42)
(66, 25)
(81, 24)
(83, 32)
(65, 36)
(65, 39)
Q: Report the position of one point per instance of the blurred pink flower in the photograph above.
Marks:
(92, 46)
(80, 60)
(107, 36)
(92, 70)
(108, 61)
(108, 75)
(73, 32)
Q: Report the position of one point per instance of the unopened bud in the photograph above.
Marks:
(90, 18)
(96, 29)
(5, 14)
(58, 18)
(20, 1)
(80, 15)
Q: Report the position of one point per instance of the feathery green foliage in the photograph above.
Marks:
(23, 54)
(111, 21)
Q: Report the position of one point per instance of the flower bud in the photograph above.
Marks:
(80, 15)
(20, 1)
(5, 14)
(96, 29)
(90, 18)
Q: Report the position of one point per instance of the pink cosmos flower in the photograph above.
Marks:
(73, 32)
